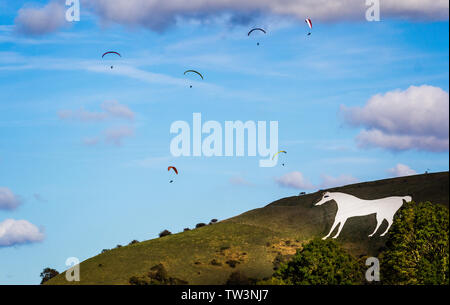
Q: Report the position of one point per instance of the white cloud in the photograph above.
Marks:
(330, 182)
(8, 201)
(416, 118)
(14, 232)
(401, 170)
(159, 14)
(41, 20)
(294, 180)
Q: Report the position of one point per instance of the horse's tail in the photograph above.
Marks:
(407, 198)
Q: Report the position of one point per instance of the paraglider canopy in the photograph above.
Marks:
(256, 29)
(309, 23)
(281, 151)
(193, 71)
(111, 52)
(173, 168)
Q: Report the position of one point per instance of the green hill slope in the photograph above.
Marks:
(252, 241)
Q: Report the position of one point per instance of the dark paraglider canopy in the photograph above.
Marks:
(256, 29)
(111, 52)
(193, 71)
(175, 171)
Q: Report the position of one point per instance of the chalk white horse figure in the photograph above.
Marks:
(351, 206)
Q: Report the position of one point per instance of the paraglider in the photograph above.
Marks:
(281, 151)
(111, 52)
(256, 29)
(193, 71)
(174, 169)
(309, 23)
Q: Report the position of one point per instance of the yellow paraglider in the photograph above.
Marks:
(281, 151)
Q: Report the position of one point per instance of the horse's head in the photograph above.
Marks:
(325, 198)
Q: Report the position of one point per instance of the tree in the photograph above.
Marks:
(165, 233)
(47, 274)
(417, 249)
(321, 262)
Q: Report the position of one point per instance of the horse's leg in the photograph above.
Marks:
(336, 222)
(390, 220)
(379, 222)
(340, 228)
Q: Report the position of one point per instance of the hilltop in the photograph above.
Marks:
(255, 241)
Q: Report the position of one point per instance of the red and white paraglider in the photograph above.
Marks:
(309, 23)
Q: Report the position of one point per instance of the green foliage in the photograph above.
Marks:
(417, 249)
(47, 274)
(321, 262)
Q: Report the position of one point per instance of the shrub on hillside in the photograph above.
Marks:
(232, 263)
(186, 229)
(165, 233)
(133, 242)
(47, 274)
(156, 276)
(238, 278)
(199, 225)
(417, 249)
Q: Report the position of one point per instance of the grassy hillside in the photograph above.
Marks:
(252, 241)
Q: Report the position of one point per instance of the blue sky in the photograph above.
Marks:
(97, 177)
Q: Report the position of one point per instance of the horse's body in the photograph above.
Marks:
(351, 206)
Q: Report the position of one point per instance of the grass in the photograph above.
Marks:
(252, 241)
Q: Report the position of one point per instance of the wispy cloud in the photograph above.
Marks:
(111, 109)
(294, 180)
(330, 181)
(116, 135)
(239, 181)
(401, 170)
